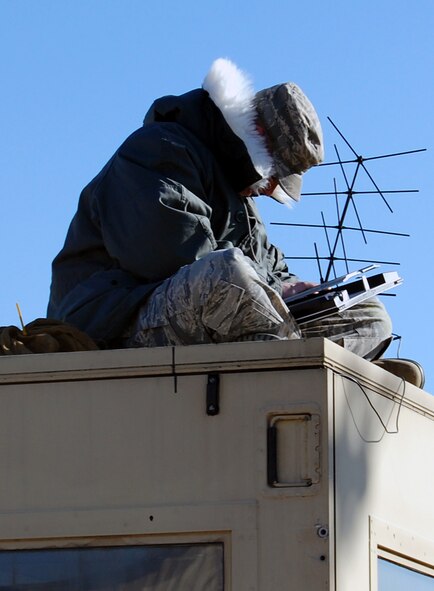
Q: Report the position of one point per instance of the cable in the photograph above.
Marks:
(383, 424)
(397, 337)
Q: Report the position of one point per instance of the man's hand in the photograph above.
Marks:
(290, 289)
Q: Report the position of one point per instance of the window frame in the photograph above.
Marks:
(87, 542)
(400, 547)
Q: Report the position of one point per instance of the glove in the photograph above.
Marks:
(44, 335)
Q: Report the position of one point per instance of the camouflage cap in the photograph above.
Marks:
(294, 131)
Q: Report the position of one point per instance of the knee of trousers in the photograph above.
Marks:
(377, 314)
(229, 266)
(232, 266)
(230, 298)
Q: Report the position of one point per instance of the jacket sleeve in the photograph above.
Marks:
(151, 207)
(278, 270)
(268, 260)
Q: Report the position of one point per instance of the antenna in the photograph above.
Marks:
(349, 204)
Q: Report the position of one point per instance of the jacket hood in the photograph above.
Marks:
(232, 92)
(223, 117)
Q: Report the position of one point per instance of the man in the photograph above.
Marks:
(167, 246)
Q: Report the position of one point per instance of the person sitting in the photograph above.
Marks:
(167, 246)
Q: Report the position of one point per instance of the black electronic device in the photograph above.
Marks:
(340, 293)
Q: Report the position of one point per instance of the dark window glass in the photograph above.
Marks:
(180, 567)
(394, 577)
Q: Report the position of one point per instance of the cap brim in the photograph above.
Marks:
(291, 184)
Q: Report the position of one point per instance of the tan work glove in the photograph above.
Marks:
(44, 335)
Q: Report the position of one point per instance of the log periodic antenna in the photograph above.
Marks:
(349, 203)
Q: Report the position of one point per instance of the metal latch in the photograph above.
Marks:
(293, 458)
(213, 394)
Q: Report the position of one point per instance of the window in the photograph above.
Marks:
(180, 567)
(395, 577)
(400, 559)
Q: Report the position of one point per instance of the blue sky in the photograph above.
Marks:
(78, 76)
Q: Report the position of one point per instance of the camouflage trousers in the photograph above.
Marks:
(221, 298)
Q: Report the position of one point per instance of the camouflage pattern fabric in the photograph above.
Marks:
(220, 298)
(364, 329)
(294, 131)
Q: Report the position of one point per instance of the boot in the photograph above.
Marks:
(410, 371)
